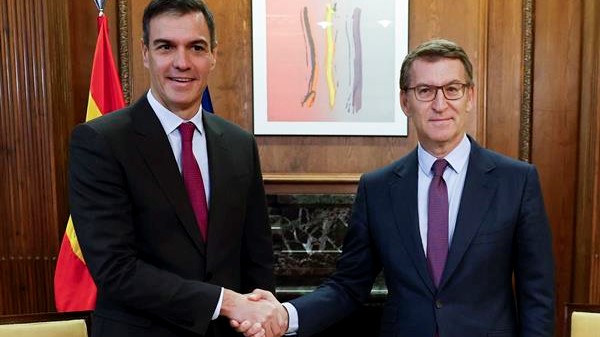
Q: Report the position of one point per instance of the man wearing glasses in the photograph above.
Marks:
(459, 231)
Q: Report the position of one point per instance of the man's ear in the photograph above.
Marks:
(214, 57)
(145, 54)
(404, 103)
(471, 96)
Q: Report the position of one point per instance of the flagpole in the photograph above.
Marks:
(100, 5)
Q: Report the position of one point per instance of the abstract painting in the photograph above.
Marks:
(324, 67)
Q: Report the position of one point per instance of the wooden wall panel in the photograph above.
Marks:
(555, 125)
(26, 284)
(504, 80)
(33, 78)
(139, 80)
(231, 82)
(586, 276)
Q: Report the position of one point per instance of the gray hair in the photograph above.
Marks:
(434, 50)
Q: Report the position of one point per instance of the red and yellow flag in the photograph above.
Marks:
(74, 288)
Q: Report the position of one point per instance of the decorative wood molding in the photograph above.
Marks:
(483, 39)
(124, 48)
(527, 92)
(311, 178)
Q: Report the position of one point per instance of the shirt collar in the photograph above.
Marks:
(457, 158)
(170, 121)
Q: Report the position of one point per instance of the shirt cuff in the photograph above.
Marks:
(218, 308)
(292, 318)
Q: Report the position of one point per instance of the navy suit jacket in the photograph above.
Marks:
(137, 230)
(501, 232)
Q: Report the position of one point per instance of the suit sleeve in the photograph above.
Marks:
(257, 245)
(534, 263)
(350, 285)
(102, 213)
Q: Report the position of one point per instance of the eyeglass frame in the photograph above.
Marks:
(464, 86)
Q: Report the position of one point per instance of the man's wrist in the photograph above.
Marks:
(230, 298)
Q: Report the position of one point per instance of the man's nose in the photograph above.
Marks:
(181, 60)
(439, 101)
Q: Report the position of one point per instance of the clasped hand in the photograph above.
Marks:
(258, 314)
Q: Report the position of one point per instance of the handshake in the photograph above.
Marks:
(256, 314)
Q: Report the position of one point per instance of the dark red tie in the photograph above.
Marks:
(192, 177)
(437, 227)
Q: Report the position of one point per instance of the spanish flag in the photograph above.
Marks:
(74, 288)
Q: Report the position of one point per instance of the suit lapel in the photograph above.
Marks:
(477, 196)
(403, 193)
(156, 150)
(219, 165)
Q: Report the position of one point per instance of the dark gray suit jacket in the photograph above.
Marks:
(138, 233)
(501, 231)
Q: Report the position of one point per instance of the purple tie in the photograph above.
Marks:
(193, 178)
(437, 227)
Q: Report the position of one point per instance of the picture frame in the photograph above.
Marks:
(328, 67)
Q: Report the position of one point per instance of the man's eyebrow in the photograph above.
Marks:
(455, 81)
(160, 41)
(199, 41)
(167, 41)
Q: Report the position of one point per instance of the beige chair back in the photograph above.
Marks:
(582, 320)
(71, 328)
(49, 324)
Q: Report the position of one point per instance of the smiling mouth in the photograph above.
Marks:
(440, 120)
(181, 79)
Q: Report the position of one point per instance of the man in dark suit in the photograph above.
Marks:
(453, 226)
(168, 201)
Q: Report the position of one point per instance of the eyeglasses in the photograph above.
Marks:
(451, 91)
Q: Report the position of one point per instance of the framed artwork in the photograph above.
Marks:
(327, 67)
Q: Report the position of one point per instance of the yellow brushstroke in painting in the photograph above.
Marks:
(330, 51)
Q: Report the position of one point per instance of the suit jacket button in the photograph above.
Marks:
(438, 304)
